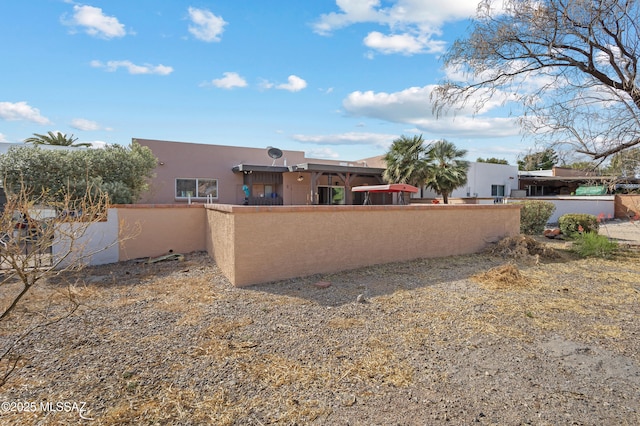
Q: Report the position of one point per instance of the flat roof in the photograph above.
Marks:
(566, 178)
(331, 168)
(309, 167)
(259, 168)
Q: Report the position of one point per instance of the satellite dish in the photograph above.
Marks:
(274, 153)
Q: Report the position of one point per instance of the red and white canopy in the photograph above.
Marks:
(392, 187)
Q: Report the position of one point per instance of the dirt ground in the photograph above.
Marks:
(523, 334)
(625, 232)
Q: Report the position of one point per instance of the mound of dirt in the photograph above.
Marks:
(524, 247)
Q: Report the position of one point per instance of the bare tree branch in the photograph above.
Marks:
(31, 225)
(568, 66)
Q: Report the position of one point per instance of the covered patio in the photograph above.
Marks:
(331, 184)
(323, 184)
(262, 185)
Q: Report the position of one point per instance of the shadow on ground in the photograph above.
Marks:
(362, 284)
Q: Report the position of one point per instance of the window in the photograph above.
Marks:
(196, 188)
(497, 190)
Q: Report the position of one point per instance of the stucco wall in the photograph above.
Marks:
(627, 206)
(220, 240)
(480, 178)
(154, 230)
(594, 205)
(253, 245)
(193, 160)
(96, 245)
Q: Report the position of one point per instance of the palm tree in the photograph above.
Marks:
(406, 161)
(446, 171)
(58, 139)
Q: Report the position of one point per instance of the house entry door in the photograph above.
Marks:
(331, 194)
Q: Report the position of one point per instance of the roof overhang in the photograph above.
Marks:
(257, 168)
(567, 178)
(330, 168)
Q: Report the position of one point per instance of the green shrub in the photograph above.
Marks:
(574, 223)
(591, 244)
(122, 172)
(534, 215)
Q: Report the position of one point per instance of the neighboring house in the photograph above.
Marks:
(4, 146)
(558, 181)
(484, 180)
(577, 191)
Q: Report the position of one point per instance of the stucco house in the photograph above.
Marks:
(559, 181)
(486, 183)
(192, 172)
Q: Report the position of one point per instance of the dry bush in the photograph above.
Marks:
(501, 277)
(44, 238)
(523, 247)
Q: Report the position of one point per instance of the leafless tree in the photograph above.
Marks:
(568, 67)
(40, 239)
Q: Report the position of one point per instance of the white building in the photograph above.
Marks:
(484, 180)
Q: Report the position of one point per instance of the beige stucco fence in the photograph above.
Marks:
(252, 245)
(136, 231)
(627, 206)
(256, 244)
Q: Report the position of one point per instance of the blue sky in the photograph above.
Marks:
(337, 79)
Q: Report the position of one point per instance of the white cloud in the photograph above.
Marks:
(206, 26)
(294, 84)
(229, 81)
(265, 84)
(414, 106)
(406, 44)
(327, 153)
(96, 23)
(132, 68)
(352, 11)
(470, 127)
(21, 111)
(414, 24)
(425, 14)
(84, 124)
(379, 140)
(3, 138)
(404, 106)
(525, 82)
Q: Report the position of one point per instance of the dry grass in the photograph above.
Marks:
(174, 344)
(506, 276)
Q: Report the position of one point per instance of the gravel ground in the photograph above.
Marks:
(623, 231)
(509, 337)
